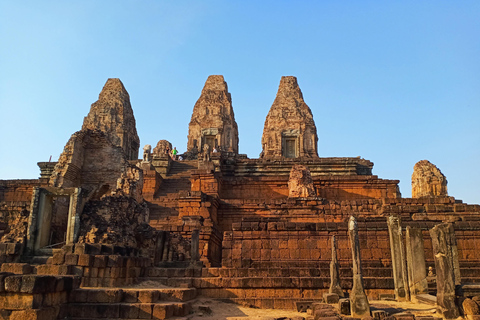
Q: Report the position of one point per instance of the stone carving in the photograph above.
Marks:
(359, 305)
(213, 121)
(163, 148)
(417, 273)
(113, 114)
(334, 273)
(398, 258)
(289, 129)
(130, 183)
(300, 183)
(428, 180)
(206, 152)
(447, 268)
(146, 153)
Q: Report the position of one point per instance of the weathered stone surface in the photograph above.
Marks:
(300, 183)
(17, 223)
(344, 306)
(359, 305)
(213, 121)
(89, 160)
(147, 152)
(116, 220)
(470, 307)
(163, 148)
(428, 180)
(417, 269)
(443, 236)
(289, 129)
(334, 272)
(398, 258)
(330, 298)
(444, 241)
(113, 114)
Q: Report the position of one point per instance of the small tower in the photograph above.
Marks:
(289, 130)
(113, 114)
(428, 180)
(213, 121)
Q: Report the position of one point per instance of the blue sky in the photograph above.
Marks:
(394, 82)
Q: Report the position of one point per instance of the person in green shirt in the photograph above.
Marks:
(174, 153)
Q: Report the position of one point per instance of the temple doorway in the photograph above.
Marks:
(290, 148)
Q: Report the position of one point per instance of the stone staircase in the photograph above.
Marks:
(129, 303)
(165, 202)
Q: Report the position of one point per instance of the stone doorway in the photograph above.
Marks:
(210, 140)
(290, 150)
(54, 218)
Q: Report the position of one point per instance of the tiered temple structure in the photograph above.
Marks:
(76, 241)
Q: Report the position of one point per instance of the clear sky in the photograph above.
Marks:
(394, 82)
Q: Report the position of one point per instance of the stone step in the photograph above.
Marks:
(284, 283)
(262, 273)
(132, 295)
(162, 310)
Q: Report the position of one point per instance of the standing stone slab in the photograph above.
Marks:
(398, 258)
(195, 245)
(443, 241)
(359, 305)
(334, 273)
(417, 269)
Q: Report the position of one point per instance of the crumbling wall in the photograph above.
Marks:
(115, 220)
(15, 201)
(90, 161)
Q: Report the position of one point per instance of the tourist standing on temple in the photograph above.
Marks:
(174, 153)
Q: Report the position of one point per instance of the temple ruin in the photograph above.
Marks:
(106, 233)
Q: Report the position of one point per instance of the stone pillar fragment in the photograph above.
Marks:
(159, 247)
(334, 273)
(195, 245)
(359, 305)
(444, 243)
(398, 258)
(416, 267)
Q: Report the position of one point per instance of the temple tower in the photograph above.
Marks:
(428, 180)
(113, 114)
(213, 121)
(289, 130)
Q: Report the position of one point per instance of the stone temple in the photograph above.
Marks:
(106, 233)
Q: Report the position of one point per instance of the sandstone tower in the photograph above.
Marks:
(213, 120)
(428, 180)
(113, 114)
(289, 130)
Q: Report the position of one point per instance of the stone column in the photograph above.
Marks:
(334, 274)
(398, 258)
(416, 267)
(446, 258)
(359, 305)
(195, 245)
(159, 247)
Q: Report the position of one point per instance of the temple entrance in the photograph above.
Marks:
(290, 148)
(210, 140)
(54, 219)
